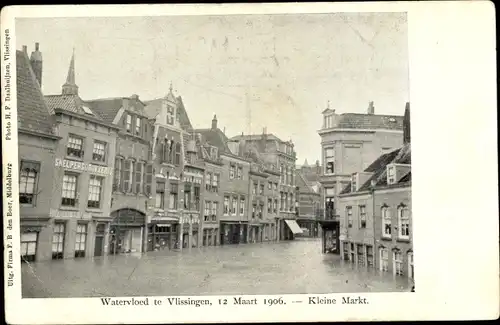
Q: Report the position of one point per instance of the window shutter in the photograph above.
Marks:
(149, 180)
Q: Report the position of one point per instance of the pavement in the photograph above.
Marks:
(292, 267)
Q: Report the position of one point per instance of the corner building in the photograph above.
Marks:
(83, 175)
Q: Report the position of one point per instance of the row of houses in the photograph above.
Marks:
(366, 183)
(117, 175)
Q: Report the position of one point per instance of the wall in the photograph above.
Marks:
(238, 187)
(356, 233)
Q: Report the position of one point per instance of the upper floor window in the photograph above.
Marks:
(215, 183)
(208, 181)
(28, 178)
(160, 195)
(404, 222)
(240, 172)
(128, 172)
(234, 202)
(207, 211)
(269, 185)
(215, 208)
(226, 205)
(254, 188)
(117, 175)
(170, 115)
(173, 197)
(213, 153)
(177, 154)
(95, 191)
(139, 177)
(75, 147)
(128, 123)
(386, 222)
(261, 189)
(231, 171)
(349, 216)
(353, 183)
(362, 216)
(138, 126)
(328, 121)
(99, 151)
(329, 161)
(69, 189)
(390, 175)
(242, 205)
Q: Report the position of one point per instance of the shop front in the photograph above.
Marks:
(126, 231)
(330, 238)
(233, 233)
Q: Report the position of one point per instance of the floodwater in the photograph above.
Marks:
(294, 267)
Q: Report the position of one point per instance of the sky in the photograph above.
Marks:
(252, 71)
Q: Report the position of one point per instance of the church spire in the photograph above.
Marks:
(70, 87)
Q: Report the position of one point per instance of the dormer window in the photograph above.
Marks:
(213, 153)
(328, 121)
(170, 115)
(391, 175)
(129, 123)
(87, 110)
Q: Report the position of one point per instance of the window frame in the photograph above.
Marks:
(35, 167)
(104, 151)
(403, 226)
(100, 194)
(75, 192)
(61, 240)
(362, 216)
(70, 145)
(386, 221)
(78, 240)
(329, 161)
(349, 215)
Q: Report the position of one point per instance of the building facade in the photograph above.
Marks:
(37, 143)
(375, 213)
(281, 154)
(309, 207)
(83, 175)
(349, 143)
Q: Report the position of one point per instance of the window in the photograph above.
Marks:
(29, 241)
(129, 123)
(281, 174)
(170, 115)
(231, 171)
(329, 161)
(148, 180)
(390, 175)
(81, 239)
(261, 189)
(139, 177)
(215, 183)
(349, 216)
(128, 168)
(28, 177)
(208, 181)
(160, 195)
(269, 206)
(404, 222)
(328, 120)
(187, 196)
(196, 198)
(346, 251)
(386, 222)
(99, 151)
(95, 190)
(269, 185)
(411, 274)
(254, 188)
(174, 192)
(215, 208)
(138, 126)
(397, 259)
(69, 189)
(240, 172)
(362, 216)
(242, 206)
(384, 259)
(207, 211)
(58, 241)
(254, 208)
(275, 186)
(213, 153)
(282, 201)
(226, 205)
(234, 202)
(177, 153)
(75, 147)
(361, 255)
(117, 176)
(275, 207)
(353, 183)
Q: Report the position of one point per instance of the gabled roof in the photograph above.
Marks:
(106, 107)
(215, 138)
(302, 183)
(154, 106)
(369, 121)
(32, 111)
(70, 103)
(378, 168)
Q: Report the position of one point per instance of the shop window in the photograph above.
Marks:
(81, 239)
(28, 181)
(58, 240)
(361, 255)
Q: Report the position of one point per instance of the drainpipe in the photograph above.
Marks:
(372, 190)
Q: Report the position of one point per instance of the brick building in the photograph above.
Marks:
(82, 180)
(375, 212)
(37, 145)
(234, 190)
(309, 207)
(274, 151)
(349, 143)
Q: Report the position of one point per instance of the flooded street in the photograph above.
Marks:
(295, 267)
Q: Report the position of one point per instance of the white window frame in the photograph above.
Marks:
(242, 206)
(403, 227)
(96, 184)
(329, 159)
(411, 269)
(384, 263)
(28, 182)
(397, 263)
(232, 171)
(226, 205)
(391, 175)
(128, 123)
(362, 216)
(138, 126)
(98, 153)
(81, 239)
(348, 211)
(386, 221)
(72, 192)
(76, 143)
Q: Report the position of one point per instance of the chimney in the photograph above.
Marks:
(406, 125)
(214, 123)
(36, 63)
(371, 108)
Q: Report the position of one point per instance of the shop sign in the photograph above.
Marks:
(63, 214)
(84, 167)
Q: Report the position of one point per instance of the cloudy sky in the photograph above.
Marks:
(253, 71)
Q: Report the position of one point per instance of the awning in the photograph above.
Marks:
(163, 225)
(294, 227)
